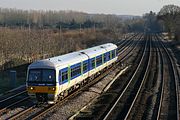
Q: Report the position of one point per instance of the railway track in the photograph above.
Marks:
(126, 44)
(121, 42)
(169, 101)
(12, 97)
(31, 108)
(9, 95)
(38, 115)
(106, 98)
(11, 101)
(125, 55)
(123, 104)
(143, 105)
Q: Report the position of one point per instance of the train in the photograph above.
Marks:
(54, 78)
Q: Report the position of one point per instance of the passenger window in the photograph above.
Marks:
(85, 67)
(64, 75)
(105, 57)
(99, 60)
(75, 71)
(108, 56)
(93, 63)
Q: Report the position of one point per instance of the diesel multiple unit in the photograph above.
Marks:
(53, 78)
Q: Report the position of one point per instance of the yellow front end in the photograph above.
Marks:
(43, 93)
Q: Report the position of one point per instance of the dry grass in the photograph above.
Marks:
(35, 44)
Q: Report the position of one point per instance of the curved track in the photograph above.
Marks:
(169, 100)
(120, 107)
(162, 102)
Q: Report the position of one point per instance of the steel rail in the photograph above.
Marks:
(144, 78)
(14, 117)
(11, 105)
(161, 72)
(123, 92)
(126, 43)
(126, 56)
(175, 77)
(11, 97)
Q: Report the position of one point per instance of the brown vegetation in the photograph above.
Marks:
(32, 44)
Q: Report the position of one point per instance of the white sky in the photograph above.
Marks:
(120, 7)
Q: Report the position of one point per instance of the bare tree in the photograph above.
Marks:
(169, 15)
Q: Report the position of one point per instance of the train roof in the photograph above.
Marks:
(98, 50)
(72, 58)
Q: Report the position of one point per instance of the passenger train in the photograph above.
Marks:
(53, 78)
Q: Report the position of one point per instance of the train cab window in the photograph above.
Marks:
(48, 75)
(34, 75)
(64, 75)
(42, 76)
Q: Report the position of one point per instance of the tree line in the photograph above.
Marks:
(54, 19)
(11, 17)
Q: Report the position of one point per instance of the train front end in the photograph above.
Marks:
(41, 84)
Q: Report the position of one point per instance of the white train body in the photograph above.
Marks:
(49, 79)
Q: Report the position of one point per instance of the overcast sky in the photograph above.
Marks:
(120, 7)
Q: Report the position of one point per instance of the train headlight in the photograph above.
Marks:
(52, 88)
(31, 88)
